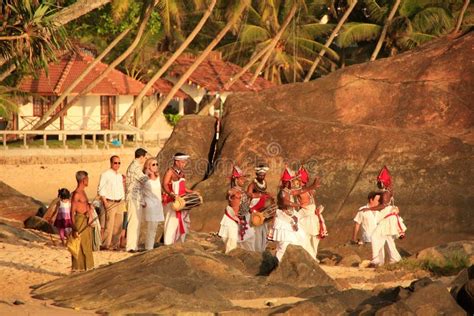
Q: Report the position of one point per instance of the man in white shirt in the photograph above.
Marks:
(112, 194)
(366, 219)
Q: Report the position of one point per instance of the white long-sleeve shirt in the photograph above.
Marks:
(111, 185)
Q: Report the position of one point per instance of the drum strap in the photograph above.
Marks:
(228, 215)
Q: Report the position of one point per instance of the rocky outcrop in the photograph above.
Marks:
(297, 267)
(423, 297)
(179, 278)
(16, 206)
(193, 135)
(412, 112)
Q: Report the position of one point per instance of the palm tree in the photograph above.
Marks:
(289, 50)
(168, 63)
(29, 35)
(330, 39)
(236, 8)
(384, 30)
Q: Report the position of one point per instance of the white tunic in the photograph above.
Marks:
(152, 197)
(368, 221)
(283, 230)
(388, 224)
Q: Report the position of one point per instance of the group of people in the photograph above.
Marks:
(125, 201)
(253, 216)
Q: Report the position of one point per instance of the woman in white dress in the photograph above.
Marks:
(153, 208)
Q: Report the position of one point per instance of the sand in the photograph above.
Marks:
(28, 264)
(42, 181)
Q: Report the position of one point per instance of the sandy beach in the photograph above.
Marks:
(42, 181)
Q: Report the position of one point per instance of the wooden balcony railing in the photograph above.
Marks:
(108, 136)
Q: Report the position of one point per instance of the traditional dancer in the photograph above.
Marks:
(389, 224)
(311, 219)
(286, 229)
(235, 224)
(258, 191)
(177, 223)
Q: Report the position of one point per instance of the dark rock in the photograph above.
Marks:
(13, 232)
(297, 267)
(350, 261)
(18, 302)
(16, 206)
(178, 278)
(38, 223)
(462, 289)
(423, 297)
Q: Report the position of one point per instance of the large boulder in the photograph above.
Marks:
(179, 278)
(14, 205)
(412, 112)
(193, 135)
(297, 267)
(446, 253)
(423, 297)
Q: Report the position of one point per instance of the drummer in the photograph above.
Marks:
(258, 191)
(177, 223)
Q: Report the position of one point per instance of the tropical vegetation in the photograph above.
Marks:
(278, 39)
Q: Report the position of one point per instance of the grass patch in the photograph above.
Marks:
(453, 263)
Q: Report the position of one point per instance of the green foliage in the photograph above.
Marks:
(353, 33)
(172, 118)
(453, 263)
(30, 36)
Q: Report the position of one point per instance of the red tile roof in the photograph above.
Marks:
(213, 73)
(69, 67)
(163, 86)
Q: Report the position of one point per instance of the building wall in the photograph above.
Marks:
(85, 115)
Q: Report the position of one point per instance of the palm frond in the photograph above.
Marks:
(253, 34)
(354, 32)
(376, 13)
(433, 20)
(314, 30)
(316, 47)
(413, 40)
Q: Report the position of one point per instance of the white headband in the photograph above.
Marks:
(261, 169)
(182, 157)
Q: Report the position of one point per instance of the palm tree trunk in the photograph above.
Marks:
(384, 30)
(275, 40)
(168, 63)
(122, 57)
(78, 9)
(80, 78)
(7, 72)
(461, 16)
(193, 67)
(329, 41)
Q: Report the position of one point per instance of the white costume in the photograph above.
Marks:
(368, 221)
(285, 235)
(232, 233)
(260, 231)
(389, 227)
(313, 226)
(176, 223)
(153, 210)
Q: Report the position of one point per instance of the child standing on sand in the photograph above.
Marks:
(63, 219)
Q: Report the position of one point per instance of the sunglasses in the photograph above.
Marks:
(116, 162)
(154, 164)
